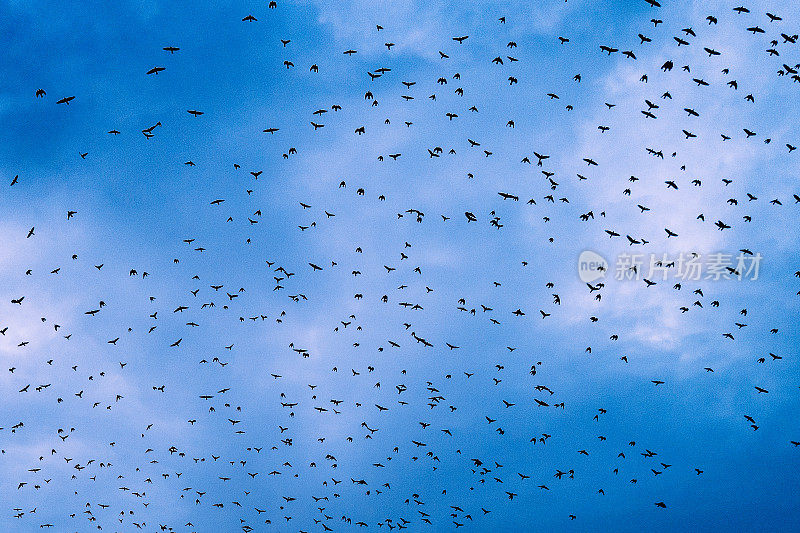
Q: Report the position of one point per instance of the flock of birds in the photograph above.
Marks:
(374, 429)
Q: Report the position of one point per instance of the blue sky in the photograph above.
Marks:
(136, 201)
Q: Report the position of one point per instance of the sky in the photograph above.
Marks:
(110, 424)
